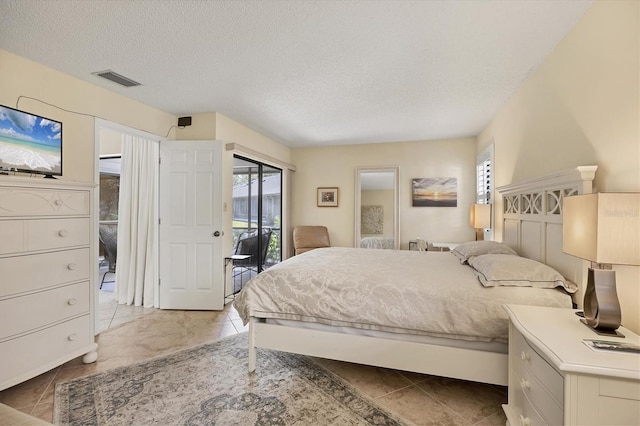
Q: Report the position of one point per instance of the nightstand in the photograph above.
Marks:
(554, 378)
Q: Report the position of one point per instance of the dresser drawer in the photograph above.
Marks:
(50, 346)
(21, 314)
(522, 412)
(19, 236)
(539, 397)
(32, 272)
(43, 202)
(527, 362)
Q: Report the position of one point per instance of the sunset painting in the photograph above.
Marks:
(435, 192)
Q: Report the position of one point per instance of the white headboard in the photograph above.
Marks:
(532, 219)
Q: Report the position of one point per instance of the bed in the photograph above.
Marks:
(454, 326)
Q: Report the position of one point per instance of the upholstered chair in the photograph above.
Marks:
(307, 238)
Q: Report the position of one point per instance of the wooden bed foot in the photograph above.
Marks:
(252, 359)
(252, 346)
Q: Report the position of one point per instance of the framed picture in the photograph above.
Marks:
(327, 197)
(434, 192)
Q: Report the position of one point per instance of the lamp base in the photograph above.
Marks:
(603, 331)
(601, 307)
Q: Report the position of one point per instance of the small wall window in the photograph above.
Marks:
(484, 176)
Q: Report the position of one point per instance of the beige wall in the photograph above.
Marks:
(580, 107)
(203, 128)
(110, 142)
(233, 132)
(335, 166)
(22, 77)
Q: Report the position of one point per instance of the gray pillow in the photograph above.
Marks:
(507, 270)
(477, 248)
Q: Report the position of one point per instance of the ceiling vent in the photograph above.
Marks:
(116, 78)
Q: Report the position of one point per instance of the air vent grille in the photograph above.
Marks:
(117, 78)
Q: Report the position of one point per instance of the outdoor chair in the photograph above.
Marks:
(248, 245)
(108, 235)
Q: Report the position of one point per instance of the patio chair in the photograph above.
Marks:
(248, 245)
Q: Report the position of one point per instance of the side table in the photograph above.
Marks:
(229, 259)
(555, 378)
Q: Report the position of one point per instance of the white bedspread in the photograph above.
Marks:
(411, 292)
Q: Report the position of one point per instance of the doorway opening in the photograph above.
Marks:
(257, 219)
(109, 139)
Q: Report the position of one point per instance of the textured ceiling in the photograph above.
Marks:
(303, 72)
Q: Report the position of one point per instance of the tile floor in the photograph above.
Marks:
(134, 334)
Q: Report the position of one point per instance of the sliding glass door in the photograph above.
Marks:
(257, 218)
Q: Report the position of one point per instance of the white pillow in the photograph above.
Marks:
(508, 270)
(477, 248)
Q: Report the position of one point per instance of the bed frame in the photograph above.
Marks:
(532, 220)
(532, 225)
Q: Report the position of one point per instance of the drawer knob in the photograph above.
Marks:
(58, 202)
(72, 301)
(524, 421)
(72, 337)
(63, 233)
(525, 356)
(72, 266)
(524, 384)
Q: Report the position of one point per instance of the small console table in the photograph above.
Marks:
(229, 259)
(442, 246)
(413, 245)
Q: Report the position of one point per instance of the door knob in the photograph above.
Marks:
(218, 234)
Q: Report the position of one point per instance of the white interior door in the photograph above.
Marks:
(191, 261)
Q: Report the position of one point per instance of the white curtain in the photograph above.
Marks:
(137, 270)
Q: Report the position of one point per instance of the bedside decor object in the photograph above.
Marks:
(327, 197)
(480, 219)
(434, 192)
(603, 228)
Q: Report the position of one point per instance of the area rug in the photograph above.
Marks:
(210, 385)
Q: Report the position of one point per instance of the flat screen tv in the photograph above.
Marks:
(30, 143)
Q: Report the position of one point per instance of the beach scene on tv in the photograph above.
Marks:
(29, 142)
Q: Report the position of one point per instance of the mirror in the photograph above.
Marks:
(377, 223)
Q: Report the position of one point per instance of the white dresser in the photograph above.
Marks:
(46, 274)
(554, 378)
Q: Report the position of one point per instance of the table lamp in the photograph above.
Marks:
(603, 228)
(480, 218)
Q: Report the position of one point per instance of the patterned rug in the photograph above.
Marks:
(210, 385)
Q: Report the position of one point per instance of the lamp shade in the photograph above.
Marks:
(602, 227)
(480, 216)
